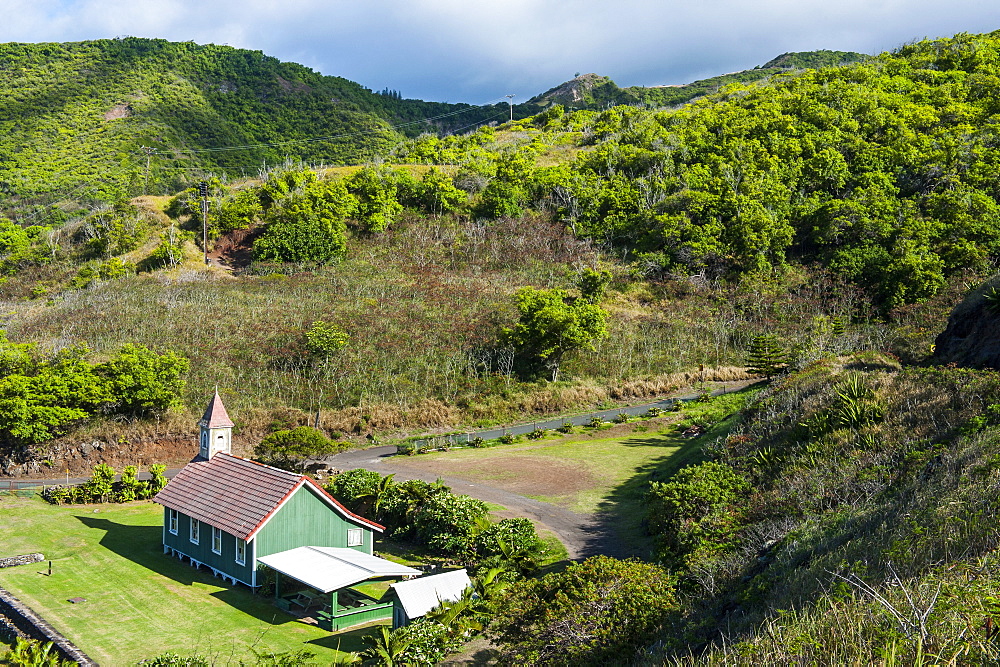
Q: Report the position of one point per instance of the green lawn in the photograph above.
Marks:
(611, 467)
(139, 602)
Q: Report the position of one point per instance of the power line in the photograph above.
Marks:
(45, 213)
(344, 135)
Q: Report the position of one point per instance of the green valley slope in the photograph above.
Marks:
(77, 120)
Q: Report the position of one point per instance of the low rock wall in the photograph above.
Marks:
(27, 559)
(24, 622)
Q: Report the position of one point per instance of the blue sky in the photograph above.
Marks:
(475, 51)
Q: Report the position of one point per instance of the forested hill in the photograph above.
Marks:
(590, 91)
(74, 117)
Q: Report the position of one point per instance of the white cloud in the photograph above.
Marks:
(472, 50)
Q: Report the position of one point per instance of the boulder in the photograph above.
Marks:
(972, 337)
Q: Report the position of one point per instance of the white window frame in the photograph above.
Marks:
(172, 521)
(216, 540)
(241, 552)
(355, 537)
(194, 531)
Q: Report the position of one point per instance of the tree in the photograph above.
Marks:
(766, 356)
(141, 382)
(437, 193)
(290, 448)
(552, 324)
(593, 284)
(601, 611)
(308, 225)
(378, 204)
(324, 338)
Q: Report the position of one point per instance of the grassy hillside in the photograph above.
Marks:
(824, 207)
(868, 532)
(78, 119)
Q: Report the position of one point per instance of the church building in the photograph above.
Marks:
(227, 512)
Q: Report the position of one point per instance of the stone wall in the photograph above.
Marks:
(26, 623)
(27, 559)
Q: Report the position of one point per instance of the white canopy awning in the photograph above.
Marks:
(419, 596)
(330, 568)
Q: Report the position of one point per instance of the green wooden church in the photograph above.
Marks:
(226, 513)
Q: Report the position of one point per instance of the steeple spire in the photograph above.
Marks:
(216, 429)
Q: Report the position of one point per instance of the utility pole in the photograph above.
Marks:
(148, 151)
(203, 191)
(510, 101)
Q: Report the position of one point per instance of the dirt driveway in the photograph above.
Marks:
(583, 535)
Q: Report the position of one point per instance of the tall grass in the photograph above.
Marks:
(424, 305)
(864, 541)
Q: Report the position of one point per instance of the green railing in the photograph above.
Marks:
(345, 618)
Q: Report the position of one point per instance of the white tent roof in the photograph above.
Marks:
(419, 596)
(329, 568)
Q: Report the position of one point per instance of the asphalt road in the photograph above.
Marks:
(583, 535)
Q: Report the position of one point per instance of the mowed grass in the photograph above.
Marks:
(140, 602)
(605, 471)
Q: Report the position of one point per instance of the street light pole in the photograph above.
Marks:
(510, 101)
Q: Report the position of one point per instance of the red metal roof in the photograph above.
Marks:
(215, 414)
(238, 495)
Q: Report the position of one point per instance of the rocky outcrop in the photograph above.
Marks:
(972, 337)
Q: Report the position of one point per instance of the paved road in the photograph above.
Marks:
(583, 535)
(582, 419)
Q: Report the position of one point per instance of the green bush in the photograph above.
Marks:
(291, 448)
(446, 522)
(598, 612)
(699, 507)
(352, 487)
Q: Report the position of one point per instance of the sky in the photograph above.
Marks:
(477, 52)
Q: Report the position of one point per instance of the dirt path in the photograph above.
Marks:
(581, 534)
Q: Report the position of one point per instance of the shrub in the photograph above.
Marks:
(567, 427)
(290, 449)
(696, 508)
(653, 412)
(622, 418)
(536, 434)
(595, 422)
(477, 442)
(351, 487)
(511, 543)
(446, 521)
(601, 611)
(507, 438)
(427, 643)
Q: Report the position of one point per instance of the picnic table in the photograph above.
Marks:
(306, 599)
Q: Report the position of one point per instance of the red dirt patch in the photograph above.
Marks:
(518, 473)
(234, 249)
